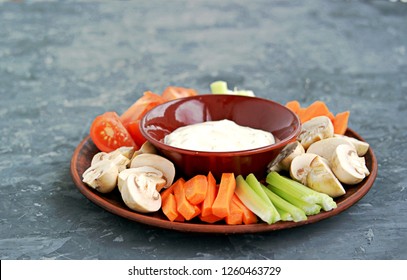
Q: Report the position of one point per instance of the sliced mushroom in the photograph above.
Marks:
(139, 192)
(285, 157)
(315, 129)
(146, 148)
(300, 166)
(360, 146)
(158, 162)
(326, 147)
(101, 176)
(121, 157)
(348, 167)
(322, 179)
(138, 170)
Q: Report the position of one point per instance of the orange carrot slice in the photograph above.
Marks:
(209, 218)
(293, 105)
(341, 122)
(186, 209)
(221, 205)
(196, 188)
(235, 216)
(248, 216)
(318, 108)
(169, 207)
(164, 193)
(211, 193)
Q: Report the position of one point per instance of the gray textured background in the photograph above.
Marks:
(63, 63)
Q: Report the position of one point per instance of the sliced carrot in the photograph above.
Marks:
(301, 113)
(235, 216)
(179, 218)
(293, 105)
(172, 92)
(169, 207)
(170, 189)
(210, 218)
(248, 216)
(318, 108)
(196, 188)
(210, 196)
(331, 116)
(186, 209)
(341, 122)
(221, 205)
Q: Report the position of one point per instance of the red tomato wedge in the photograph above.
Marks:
(134, 129)
(171, 92)
(139, 108)
(108, 133)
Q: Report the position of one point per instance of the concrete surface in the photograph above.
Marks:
(63, 63)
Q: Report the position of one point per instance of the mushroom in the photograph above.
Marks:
(158, 162)
(326, 147)
(321, 178)
(146, 148)
(361, 146)
(121, 157)
(348, 167)
(300, 166)
(122, 178)
(315, 129)
(101, 176)
(139, 191)
(286, 156)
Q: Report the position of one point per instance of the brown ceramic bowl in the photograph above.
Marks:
(253, 112)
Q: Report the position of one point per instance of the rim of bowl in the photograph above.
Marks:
(276, 145)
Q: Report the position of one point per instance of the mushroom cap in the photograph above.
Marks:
(140, 195)
(300, 166)
(315, 129)
(326, 147)
(361, 146)
(101, 176)
(347, 166)
(158, 162)
(322, 179)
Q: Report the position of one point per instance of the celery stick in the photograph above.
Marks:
(284, 215)
(308, 208)
(256, 186)
(253, 201)
(297, 214)
(300, 191)
(219, 87)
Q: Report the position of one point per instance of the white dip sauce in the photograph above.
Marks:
(218, 136)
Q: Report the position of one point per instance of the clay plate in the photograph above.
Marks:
(113, 203)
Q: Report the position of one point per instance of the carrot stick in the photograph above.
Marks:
(293, 105)
(248, 216)
(235, 216)
(341, 122)
(164, 193)
(169, 207)
(318, 108)
(196, 188)
(186, 209)
(209, 218)
(221, 205)
(210, 196)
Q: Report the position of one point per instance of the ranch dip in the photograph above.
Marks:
(218, 136)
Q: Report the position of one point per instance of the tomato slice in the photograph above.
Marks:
(108, 133)
(172, 92)
(135, 132)
(139, 108)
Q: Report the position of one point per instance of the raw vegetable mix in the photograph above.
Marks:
(303, 180)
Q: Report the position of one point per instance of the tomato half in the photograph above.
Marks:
(172, 92)
(108, 133)
(139, 108)
(134, 130)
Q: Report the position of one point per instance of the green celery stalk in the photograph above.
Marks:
(284, 215)
(308, 208)
(297, 213)
(256, 186)
(300, 191)
(253, 201)
(219, 87)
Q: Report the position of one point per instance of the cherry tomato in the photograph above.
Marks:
(139, 108)
(172, 92)
(108, 133)
(134, 130)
